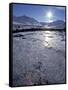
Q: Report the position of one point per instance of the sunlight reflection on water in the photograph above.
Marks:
(48, 39)
(54, 39)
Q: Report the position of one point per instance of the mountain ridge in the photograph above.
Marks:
(29, 21)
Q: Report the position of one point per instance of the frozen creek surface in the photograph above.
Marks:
(38, 58)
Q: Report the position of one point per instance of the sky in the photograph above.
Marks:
(40, 13)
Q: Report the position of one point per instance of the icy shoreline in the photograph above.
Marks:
(38, 58)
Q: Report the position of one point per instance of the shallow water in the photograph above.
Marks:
(38, 58)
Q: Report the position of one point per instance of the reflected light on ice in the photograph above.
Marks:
(48, 38)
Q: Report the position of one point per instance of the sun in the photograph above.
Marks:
(49, 15)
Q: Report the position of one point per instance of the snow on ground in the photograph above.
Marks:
(38, 58)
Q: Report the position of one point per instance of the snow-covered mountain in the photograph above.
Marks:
(25, 22)
(59, 24)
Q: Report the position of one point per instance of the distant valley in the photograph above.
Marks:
(25, 22)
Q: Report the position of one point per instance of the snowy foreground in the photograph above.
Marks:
(38, 58)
